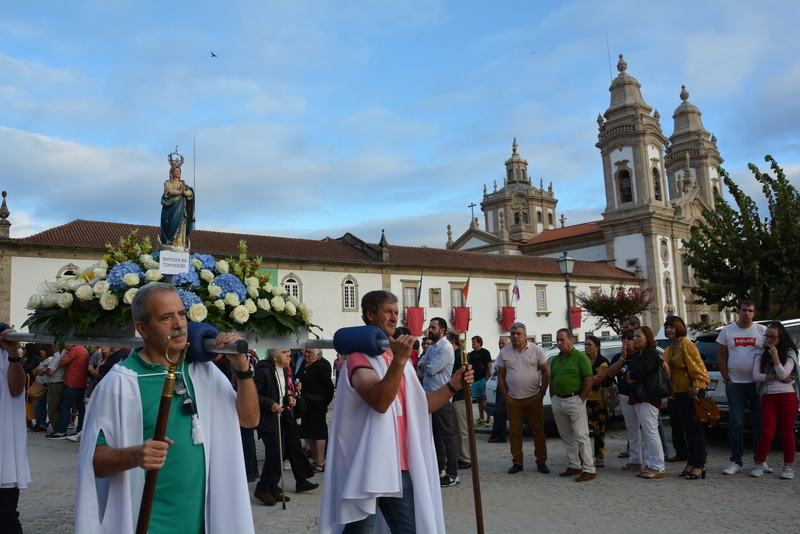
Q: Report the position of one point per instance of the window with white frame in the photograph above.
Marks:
(541, 297)
(349, 294)
(457, 297)
(293, 286)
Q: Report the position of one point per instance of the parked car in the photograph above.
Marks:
(608, 348)
(707, 345)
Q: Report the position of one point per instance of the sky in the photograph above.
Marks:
(318, 118)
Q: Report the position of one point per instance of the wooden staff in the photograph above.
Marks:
(159, 434)
(473, 445)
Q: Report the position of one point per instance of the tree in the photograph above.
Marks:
(618, 303)
(736, 255)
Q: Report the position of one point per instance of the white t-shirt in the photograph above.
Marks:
(744, 344)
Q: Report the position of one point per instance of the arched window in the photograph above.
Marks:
(349, 294)
(550, 219)
(625, 187)
(656, 184)
(510, 174)
(538, 216)
(293, 286)
(523, 173)
(67, 270)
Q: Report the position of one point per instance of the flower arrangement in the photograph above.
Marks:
(231, 295)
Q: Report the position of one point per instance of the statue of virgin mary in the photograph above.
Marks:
(177, 207)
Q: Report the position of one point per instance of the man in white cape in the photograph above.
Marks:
(381, 471)
(115, 452)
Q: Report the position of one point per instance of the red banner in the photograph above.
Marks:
(415, 317)
(577, 313)
(462, 320)
(509, 316)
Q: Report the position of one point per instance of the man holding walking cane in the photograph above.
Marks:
(202, 484)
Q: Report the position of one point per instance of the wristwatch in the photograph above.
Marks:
(243, 375)
(14, 360)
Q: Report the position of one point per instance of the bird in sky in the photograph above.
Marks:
(213, 54)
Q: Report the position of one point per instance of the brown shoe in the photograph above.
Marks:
(677, 458)
(279, 497)
(652, 473)
(570, 472)
(266, 498)
(586, 475)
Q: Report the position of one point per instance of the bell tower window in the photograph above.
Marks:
(510, 174)
(625, 187)
(656, 184)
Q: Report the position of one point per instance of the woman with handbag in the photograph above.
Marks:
(689, 382)
(595, 408)
(315, 376)
(775, 374)
(620, 365)
(646, 408)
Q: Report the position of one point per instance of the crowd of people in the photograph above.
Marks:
(384, 459)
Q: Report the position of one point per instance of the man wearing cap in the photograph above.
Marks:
(202, 484)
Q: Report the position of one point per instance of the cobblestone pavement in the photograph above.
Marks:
(617, 501)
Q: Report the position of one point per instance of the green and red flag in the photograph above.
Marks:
(465, 291)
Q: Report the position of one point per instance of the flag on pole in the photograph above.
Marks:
(515, 289)
(465, 291)
(419, 290)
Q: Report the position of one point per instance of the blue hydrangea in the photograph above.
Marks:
(230, 284)
(188, 279)
(119, 271)
(207, 261)
(188, 298)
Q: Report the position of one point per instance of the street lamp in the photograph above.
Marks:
(565, 265)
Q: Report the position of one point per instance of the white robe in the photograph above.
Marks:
(111, 504)
(14, 471)
(363, 461)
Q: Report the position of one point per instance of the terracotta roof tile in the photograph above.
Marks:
(562, 233)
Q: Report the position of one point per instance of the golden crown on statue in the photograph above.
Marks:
(175, 159)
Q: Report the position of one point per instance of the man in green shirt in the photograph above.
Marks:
(570, 384)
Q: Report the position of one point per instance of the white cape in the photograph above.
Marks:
(111, 504)
(363, 461)
(14, 471)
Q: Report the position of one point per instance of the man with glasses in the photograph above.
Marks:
(739, 344)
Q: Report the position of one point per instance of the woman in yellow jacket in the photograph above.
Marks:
(689, 381)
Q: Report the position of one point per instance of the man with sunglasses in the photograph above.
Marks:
(202, 484)
(739, 344)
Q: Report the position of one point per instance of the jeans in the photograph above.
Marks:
(694, 432)
(72, 395)
(40, 409)
(500, 415)
(779, 410)
(632, 426)
(741, 397)
(443, 439)
(516, 413)
(573, 426)
(653, 449)
(397, 511)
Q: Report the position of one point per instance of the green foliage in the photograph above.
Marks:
(611, 307)
(738, 255)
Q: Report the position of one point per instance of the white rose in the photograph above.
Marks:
(84, 292)
(100, 273)
(131, 279)
(294, 300)
(252, 292)
(178, 249)
(214, 290)
(198, 312)
(307, 316)
(240, 314)
(302, 307)
(82, 271)
(109, 301)
(148, 262)
(232, 299)
(252, 281)
(74, 283)
(61, 283)
(50, 299)
(290, 309)
(263, 304)
(153, 275)
(268, 287)
(101, 288)
(127, 298)
(102, 264)
(34, 302)
(220, 304)
(197, 263)
(278, 303)
(222, 266)
(206, 275)
(278, 291)
(65, 300)
(250, 306)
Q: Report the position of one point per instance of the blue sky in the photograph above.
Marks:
(319, 118)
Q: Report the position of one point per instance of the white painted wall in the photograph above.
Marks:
(628, 247)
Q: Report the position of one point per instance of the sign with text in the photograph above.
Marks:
(173, 262)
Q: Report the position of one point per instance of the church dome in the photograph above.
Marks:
(687, 119)
(626, 95)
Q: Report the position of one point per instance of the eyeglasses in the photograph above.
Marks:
(772, 337)
(589, 345)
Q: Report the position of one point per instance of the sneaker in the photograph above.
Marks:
(287, 466)
(787, 473)
(732, 469)
(75, 437)
(56, 435)
(480, 421)
(757, 470)
(488, 424)
(463, 464)
(767, 469)
(447, 481)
